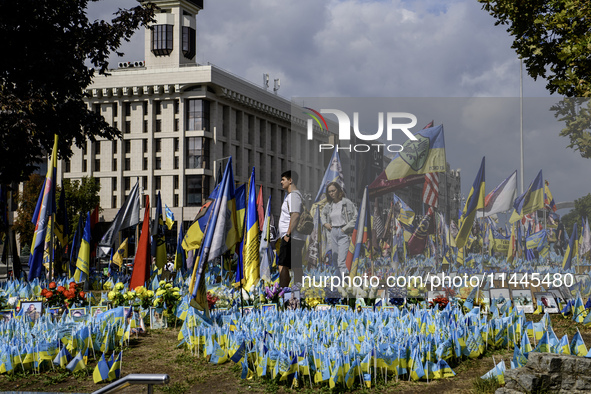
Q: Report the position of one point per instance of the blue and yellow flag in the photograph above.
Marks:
(405, 213)
(101, 371)
(46, 207)
(121, 254)
(571, 250)
(180, 257)
(82, 263)
(333, 173)
(421, 156)
(548, 199)
(530, 201)
(359, 237)
(474, 202)
(251, 238)
(169, 217)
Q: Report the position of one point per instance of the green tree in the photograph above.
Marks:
(81, 197)
(27, 200)
(582, 210)
(553, 37)
(50, 54)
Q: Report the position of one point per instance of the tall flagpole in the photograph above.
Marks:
(521, 119)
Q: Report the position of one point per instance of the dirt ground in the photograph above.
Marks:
(157, 352)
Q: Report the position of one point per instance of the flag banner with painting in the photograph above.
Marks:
(418, 157)
(530, 201)
(501, 198)
(46, 204)
(127, 216)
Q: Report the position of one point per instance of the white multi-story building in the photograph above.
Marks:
(180, 122)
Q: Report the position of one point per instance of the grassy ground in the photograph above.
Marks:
(156, 352)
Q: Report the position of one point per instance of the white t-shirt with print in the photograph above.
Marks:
(290, 205)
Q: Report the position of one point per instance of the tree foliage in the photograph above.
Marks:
(81, 197)
(47, 45)
(582, 210)
(553, 37)
(27, 200)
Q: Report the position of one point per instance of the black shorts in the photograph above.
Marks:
(286, 254)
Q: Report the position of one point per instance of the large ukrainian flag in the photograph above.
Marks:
(426, 154)
(82, 263)
(530, 201)
(474, 202)
(251, 238)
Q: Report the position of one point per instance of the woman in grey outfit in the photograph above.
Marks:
(339, 216)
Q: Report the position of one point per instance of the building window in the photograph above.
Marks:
(127, 146)
(115, 110)
(197, 152)
(97, 148)
(157, 183)
(127, 128)
(127, 109)
(114, 184)
(176, 201)
(145, 108)
(96, 108)
(114, 147)
(175, 182)
(114, 202)
(84, 165)
(145, 146)
(157, 145)
(145, 126)
(162, 40)
(194, 185)
(188, 42)
(262, 133)
(67, 165)
(145, 164)
(177, 104)
(158, 163)
(197, 114)
(97, 165)
(176, 124)
(176, 162)
(176, 144)
(158, 107)
(145, 182)
(127, 183)
(127, 164)
(158, 127)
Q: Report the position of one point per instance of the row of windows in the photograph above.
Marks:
(196, 189)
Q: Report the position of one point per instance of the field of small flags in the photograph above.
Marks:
(296, 348)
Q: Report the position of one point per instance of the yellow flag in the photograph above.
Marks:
(121, 254)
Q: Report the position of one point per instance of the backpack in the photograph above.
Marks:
(305, 224)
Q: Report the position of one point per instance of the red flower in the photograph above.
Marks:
(61, 289)
(70, 294)
(49, 294)
(72, 285)
(81, 294)
(43, 292)
(52, 285)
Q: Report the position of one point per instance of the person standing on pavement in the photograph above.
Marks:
(292, 242)
(339, 216)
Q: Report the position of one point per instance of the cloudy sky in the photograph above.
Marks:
(433, 50)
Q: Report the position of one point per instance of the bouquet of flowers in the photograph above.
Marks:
(57, 296)
(273, 293)
(167, 296)
(116, 296)
(441, 302)
(145, 296)
(211, 300)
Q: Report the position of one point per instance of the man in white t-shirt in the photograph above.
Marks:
(292, 242)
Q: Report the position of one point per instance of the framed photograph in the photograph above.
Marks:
(343, 308)
(367, 308)
(566, 293)
(269, 308)
(53, 312)
(247, 310)
(397, 292)
(6, 315)
(484, 300)
(32, 309)
(78, 314)
(97, 310)
(523, 300)
(558, 296)
(388, 308)
(157, 319)
(548, 302)
(291, 300)
(322, 307)
(500, 296)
